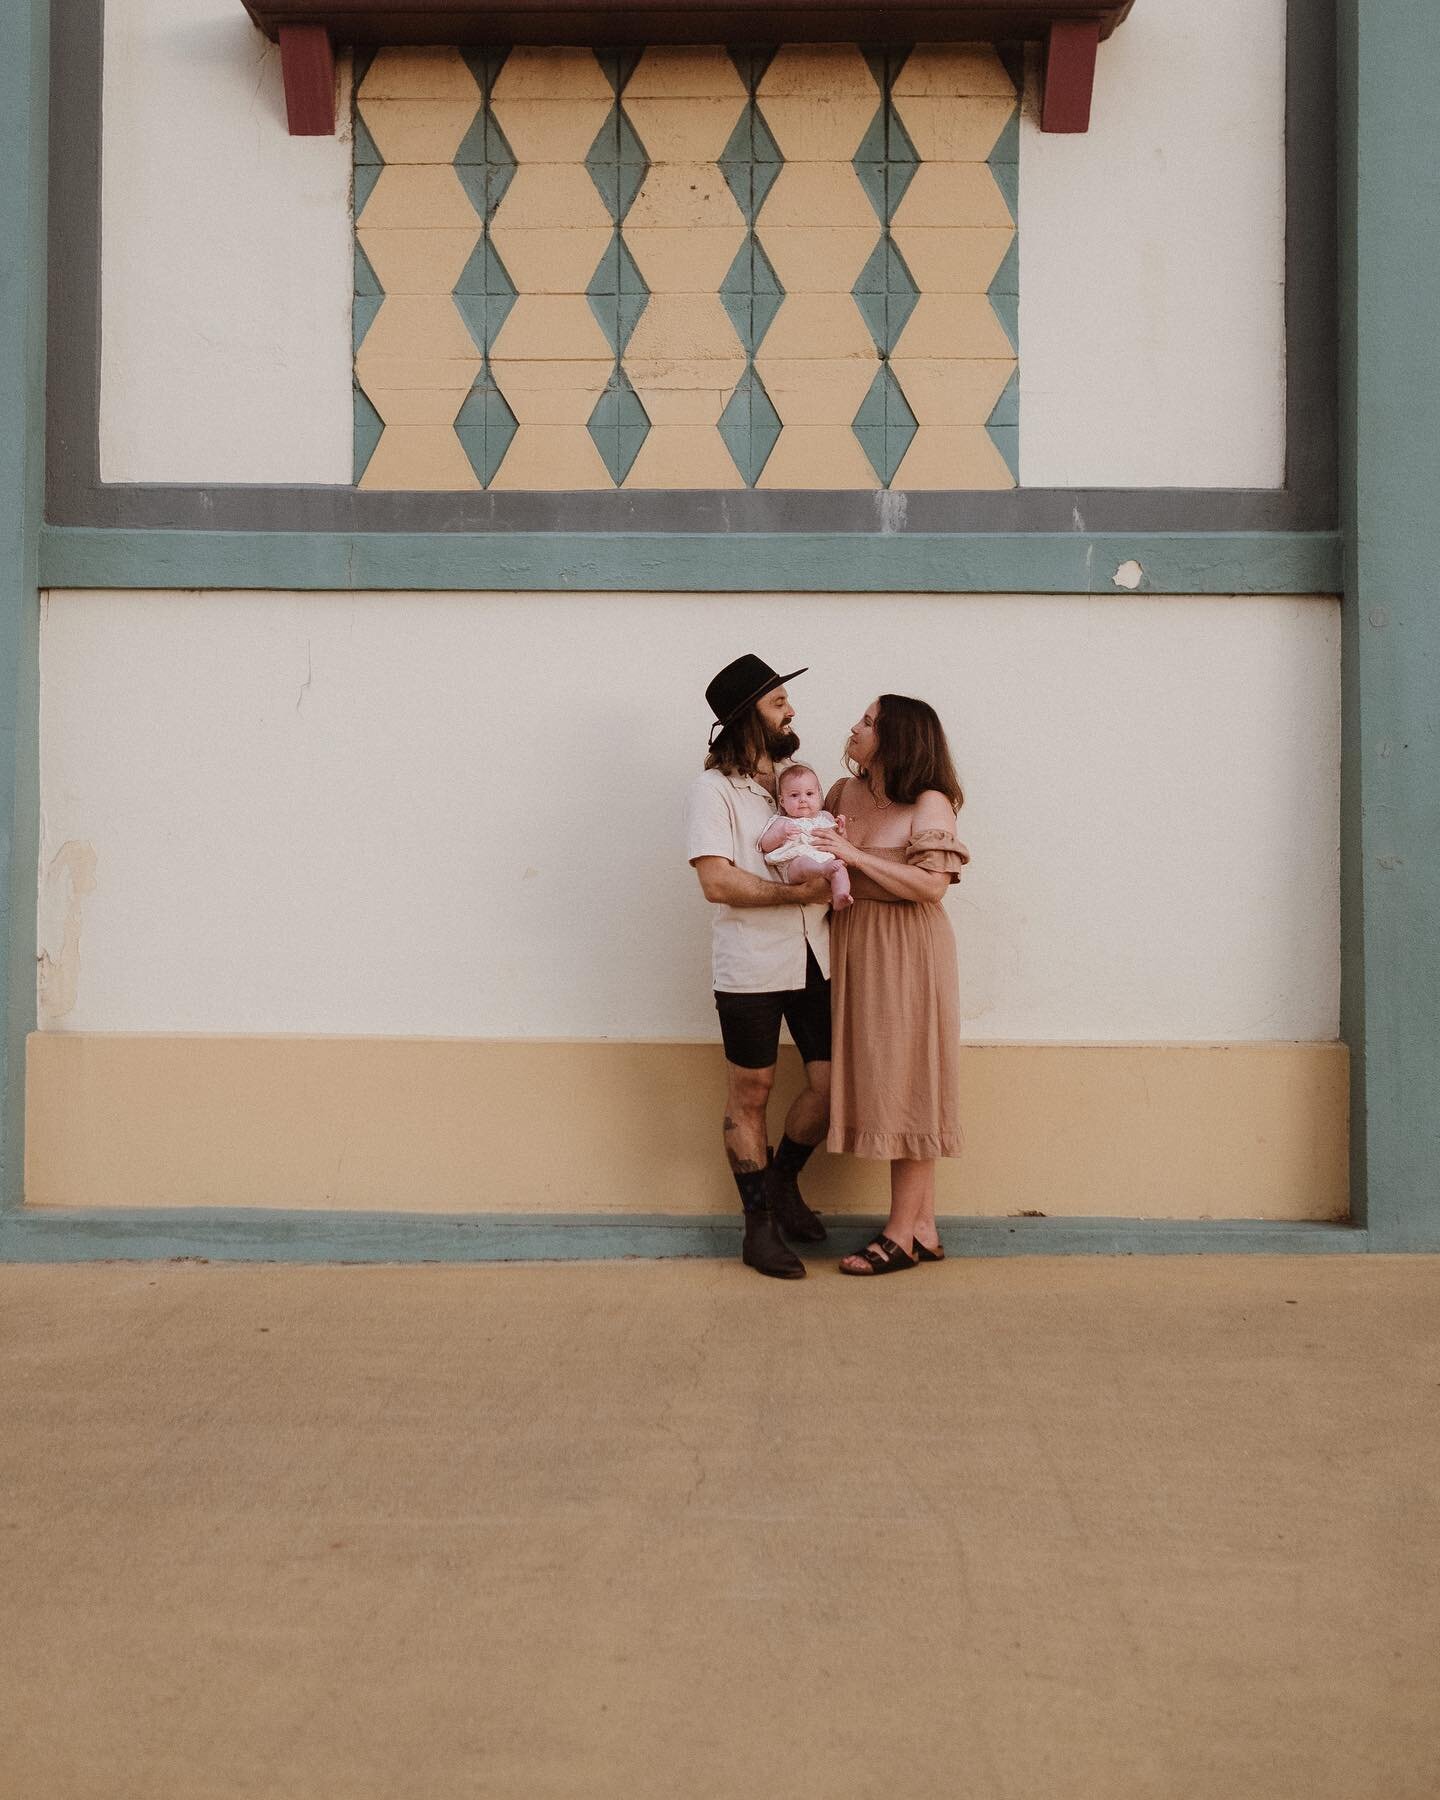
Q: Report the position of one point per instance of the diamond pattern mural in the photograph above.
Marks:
(686, 267)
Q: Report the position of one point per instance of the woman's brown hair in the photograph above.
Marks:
(911, 752)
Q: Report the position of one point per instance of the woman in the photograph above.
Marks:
(896, 997)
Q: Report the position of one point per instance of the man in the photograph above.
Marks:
(771, 957)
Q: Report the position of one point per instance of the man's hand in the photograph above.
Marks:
(814, 890)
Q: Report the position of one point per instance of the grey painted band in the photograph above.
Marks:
(76, 495)
(306, 1237)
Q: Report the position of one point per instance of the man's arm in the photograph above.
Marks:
(725, 885)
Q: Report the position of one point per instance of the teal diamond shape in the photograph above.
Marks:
(366, 175)
(885, 424)
(367, 161)
(1007, 276)
(1006, 410)
(751, 161)
(902, 159)
(750, 426)
(869, 164)
(1007, 145)
(735, 161)
(618, 426)
(886, 161)
(484, 65)
(617, 294)
(485, 164)
(366, 280)
(485, 426)
(1003, 425)
(367, 151)
(617, 163)
(1004, 292)
(751, 63)
(363, 309)
(766, 161)
(619, 66)
(751, 293)
(886, 293)
(484, 294)
(368, 427)
(1003, 163)
(368, 298)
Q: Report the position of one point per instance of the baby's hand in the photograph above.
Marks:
(840, 824)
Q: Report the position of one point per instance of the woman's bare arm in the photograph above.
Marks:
(932, 813)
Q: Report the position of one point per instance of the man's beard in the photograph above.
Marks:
(781, 744)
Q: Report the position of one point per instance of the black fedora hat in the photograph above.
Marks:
(740, 684)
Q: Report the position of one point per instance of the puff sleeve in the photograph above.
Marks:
(939, 852)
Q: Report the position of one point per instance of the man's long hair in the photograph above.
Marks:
(911, 754)
(745, 743)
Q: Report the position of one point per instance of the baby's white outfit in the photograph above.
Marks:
(800, 844)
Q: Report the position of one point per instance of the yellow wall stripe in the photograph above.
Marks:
(448, 1125)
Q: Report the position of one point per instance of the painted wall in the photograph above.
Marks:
(1151, 284)
(225, 250)
(686, 267)
(460, 814)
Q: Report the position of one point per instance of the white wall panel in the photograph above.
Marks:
(460, 814)
(1152, 260)
(226, 259)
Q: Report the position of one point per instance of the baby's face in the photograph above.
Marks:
(801, 797)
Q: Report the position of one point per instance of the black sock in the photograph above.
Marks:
(751, 1183)
(791, 1157)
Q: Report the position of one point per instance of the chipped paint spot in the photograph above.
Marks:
(894, 506)
(1128, 575)
(69, 881)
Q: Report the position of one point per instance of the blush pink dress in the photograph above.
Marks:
(895, 1002)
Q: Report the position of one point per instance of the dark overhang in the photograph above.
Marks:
(308, 32)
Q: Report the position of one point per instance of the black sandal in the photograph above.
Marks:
(925, 1254)
(886, 1258)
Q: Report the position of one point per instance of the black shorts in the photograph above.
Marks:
(750, 1023)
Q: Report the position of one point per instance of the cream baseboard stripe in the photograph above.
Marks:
(443, 1125)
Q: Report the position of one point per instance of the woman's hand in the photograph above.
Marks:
(836, 844)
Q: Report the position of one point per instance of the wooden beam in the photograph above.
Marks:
(683, 21)
(307, 60)
(1069, 74)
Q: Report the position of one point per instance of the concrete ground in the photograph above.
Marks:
(1009, 1530)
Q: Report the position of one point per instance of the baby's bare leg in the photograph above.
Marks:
(802, 868)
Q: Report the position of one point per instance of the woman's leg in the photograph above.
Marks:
(912, 1203)
(912, 1208)
(925, 1228)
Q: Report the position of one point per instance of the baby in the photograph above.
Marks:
(787, 839)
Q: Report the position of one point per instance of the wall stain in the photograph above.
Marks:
(69, 881)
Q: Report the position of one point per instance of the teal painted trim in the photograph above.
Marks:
(306, 1237)
(682, 562)
(24, 127)
(1390, 447)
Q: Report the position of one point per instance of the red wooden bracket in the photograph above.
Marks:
(307, 61)
(1069, 74)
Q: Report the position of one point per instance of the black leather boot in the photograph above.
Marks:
(792, 1215)
(766, 1250)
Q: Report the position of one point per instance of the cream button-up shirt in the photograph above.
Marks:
(754, 949)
